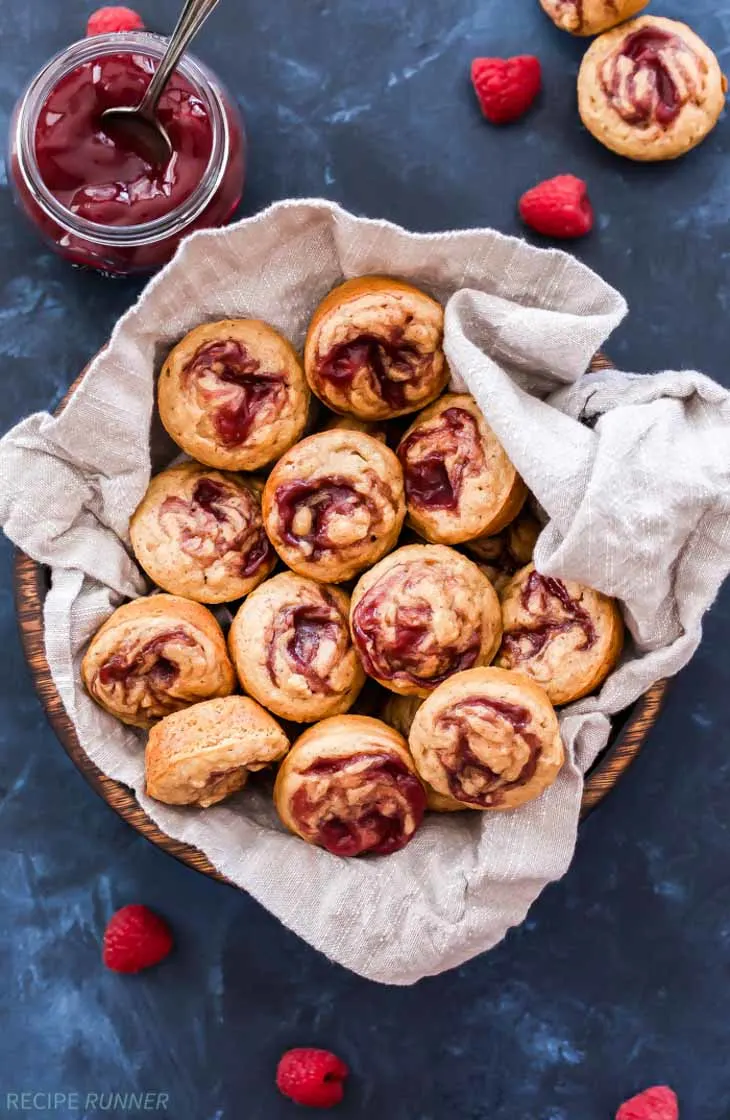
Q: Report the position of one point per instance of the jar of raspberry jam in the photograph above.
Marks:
(98, 202)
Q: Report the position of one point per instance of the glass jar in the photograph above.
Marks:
(132, 242)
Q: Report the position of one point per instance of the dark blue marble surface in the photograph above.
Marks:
(618, 979)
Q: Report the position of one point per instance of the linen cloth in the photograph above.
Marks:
(632, 472)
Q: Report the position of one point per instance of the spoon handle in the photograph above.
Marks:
(192, 18)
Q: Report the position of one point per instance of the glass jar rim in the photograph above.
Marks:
(35, 97)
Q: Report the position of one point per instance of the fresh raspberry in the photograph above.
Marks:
(135, 938)
(312, 1077)
(558, 207)
(105, 20)
(659, 1103)
(506, 87)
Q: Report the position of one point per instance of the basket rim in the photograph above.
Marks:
(30, 582)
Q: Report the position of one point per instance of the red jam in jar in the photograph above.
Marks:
(94, 173)
(100, 200)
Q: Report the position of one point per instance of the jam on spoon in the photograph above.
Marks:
(138, 124)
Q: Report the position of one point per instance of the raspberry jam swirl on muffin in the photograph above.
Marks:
(374, 349)
(334, 505)
(206, 753)
(291, 646)
(422, 614)
(501, 557)
(233, 395)
(199, 533)
(489, 739)
(590, 17)
(566, 637)
(349, 785)
(650, 89)
(155, 656)
(459, 482)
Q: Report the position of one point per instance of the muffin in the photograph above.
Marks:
(489, 739)
(650, 89)
(199, 533)
(155, 656)
(291, 646)
(205, 754)
(422, 614)
(590, 17)
(233, 395)
(459, 482)
(349, 785)
(564, 636)
(334, 505)
(374, 349)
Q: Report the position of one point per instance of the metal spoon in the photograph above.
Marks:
(139, 124)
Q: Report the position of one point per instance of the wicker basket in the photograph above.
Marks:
(31, 585)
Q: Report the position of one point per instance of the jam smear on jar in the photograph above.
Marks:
(390, 364)
(102, 177)
(429, 482)
(227, 370)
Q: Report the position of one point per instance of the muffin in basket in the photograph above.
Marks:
(199, 533)
(334, 505)
(422, 614)
(291, 646)
(233, 394)
(489, 739)
(459, 481)
(155, 656)
(349, 785)
(374, 349)
(564, 636)
(205, 754)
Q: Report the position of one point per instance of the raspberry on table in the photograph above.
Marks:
(506, 87)
(106, 20)
(312, 1077)
(658, 1103)
(135, 938)
(559, 207)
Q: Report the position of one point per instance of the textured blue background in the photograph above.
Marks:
(619, 977)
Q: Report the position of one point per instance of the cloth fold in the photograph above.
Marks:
(633, 473)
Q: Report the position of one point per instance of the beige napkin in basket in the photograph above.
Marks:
(638, 497)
